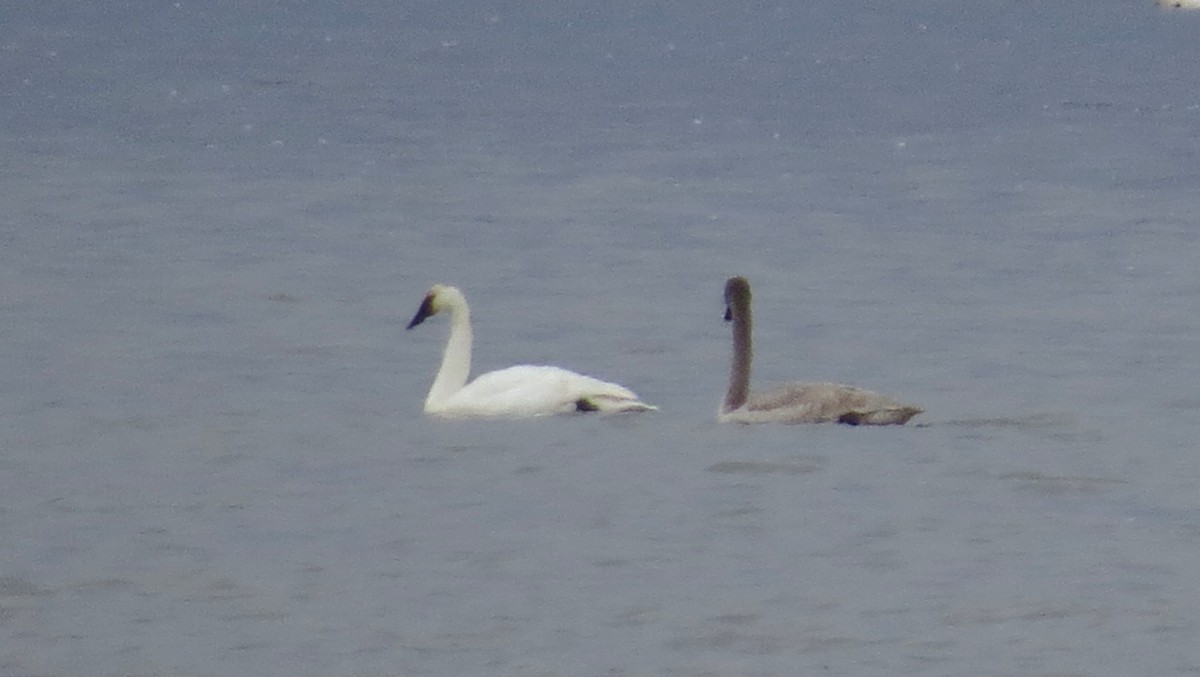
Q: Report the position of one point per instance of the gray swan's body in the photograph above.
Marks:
(1178, 4)
(794, 402)
(516, 392)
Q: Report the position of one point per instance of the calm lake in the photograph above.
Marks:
(218, 218)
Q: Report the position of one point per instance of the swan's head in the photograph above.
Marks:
(1179, 4)
(439, 297)
(737, 296)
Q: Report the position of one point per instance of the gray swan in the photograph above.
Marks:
(794, 402)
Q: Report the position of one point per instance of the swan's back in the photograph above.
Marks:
(818, 403)
(532, 390)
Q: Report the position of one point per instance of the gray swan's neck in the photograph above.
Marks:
(739, 371)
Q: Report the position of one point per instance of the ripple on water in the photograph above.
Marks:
(763, 468)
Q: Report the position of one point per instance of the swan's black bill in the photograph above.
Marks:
(728, 314)
(423, 312)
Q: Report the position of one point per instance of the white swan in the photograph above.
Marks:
(794, 402)
(515, 392)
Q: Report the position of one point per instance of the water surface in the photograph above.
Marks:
(219, 219)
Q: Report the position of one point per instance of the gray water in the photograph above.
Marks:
(217, 218)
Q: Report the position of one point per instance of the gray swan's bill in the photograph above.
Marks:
(794, 402)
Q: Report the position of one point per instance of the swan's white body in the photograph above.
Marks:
(516, 392)
(794, 402)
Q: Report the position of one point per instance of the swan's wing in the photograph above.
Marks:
(818, 402)
(593, 394)
(515, 392)
(529, 390)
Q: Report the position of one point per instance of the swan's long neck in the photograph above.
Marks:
(456, 360)
(739, 370)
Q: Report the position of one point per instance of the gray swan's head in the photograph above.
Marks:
(737, 296)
